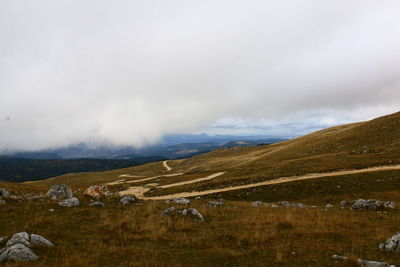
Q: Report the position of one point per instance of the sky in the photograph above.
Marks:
(129, 72)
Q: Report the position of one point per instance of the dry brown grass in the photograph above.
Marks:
(236, 234)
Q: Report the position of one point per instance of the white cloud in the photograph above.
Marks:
(128, 72)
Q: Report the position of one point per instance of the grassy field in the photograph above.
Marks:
(236, 234)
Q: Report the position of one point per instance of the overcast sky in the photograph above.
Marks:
(128, 72)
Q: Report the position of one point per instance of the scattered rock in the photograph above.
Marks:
(60, 192)
(18, 247)
(70, 202)
(128, 199)
(392, 244)
(271, 205)
(16, 198)
(180, 200)
(97, 204)
(363, 263)
(196, 214)
(97, 191)
(198, 197)
(168, 211)
(291, 205)
(193, 212)
(256, 203)
(218, 203)
(18, 252)
(51, 210)
(2, 202)
(389, 205)
(329, 206)
(344, 203)
(38, 240)
(4, 193)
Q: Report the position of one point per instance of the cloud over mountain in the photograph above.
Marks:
(128, 72)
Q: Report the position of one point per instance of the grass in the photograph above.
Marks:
(236, 234)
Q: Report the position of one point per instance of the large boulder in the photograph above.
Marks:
(4, 193)
(128, 199)
(70, 202)
(59, 192)
(18, 252)
(97, 191)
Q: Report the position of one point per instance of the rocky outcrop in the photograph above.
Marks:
(97, 204)
(180, 200)
(18, 247)
(370, 204)
(97, 191)
(128, 199)
(59, 192)
(70, 202)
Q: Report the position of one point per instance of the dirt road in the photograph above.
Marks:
(275, 181)
(166, 165)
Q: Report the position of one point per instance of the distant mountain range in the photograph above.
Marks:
(172, 146)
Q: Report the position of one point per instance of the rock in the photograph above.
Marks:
(292, 205)
(180, 200)
(128, 199)
(344, 203)
(18, 252)
(38, 240)
(97, 204)
(70, 202)
(97, 191)
(392, 244)
(16, 198)
(363, 263)
(196, 214)
(271, 205)
(256, 203)
(389, 205)
(218, 203)
(4, 193)
(60, 192)
(368, 263)
(19, 238)
(198, 197)
(183, 212)
(2, 202)
(168, 211)
(329, 206)
(51, 210)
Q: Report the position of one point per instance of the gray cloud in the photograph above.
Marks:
(128, 72)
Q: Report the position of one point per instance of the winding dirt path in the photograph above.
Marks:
(275, 181)
(212, 176)
(166, 166)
